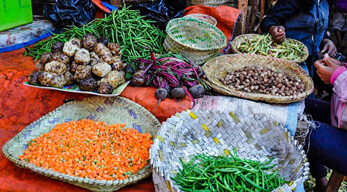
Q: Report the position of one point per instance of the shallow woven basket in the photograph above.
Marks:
(108, 110)
(241, 38)
(254, 136)
(211, 3)
(202, 17)
(217, 68)
(194, 39)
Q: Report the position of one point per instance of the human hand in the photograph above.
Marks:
(325, 68)
(278, 33)
(329, 47)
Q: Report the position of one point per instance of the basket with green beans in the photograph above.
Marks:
(227, 173)
(290, 49)
(124, 26)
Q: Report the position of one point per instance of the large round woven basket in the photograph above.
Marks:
(108, 110)
(217, 68)
(241, 38)
(253, 136)
(194, 39)
(202, 17)
(212, 3)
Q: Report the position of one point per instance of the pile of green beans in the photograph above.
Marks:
(227, 173)
(126, 27)
(264, 45)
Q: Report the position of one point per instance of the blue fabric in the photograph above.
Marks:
(18, 46)
(108, 6)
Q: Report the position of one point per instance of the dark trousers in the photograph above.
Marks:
(326, 145)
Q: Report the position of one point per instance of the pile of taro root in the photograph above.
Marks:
(253, 79)
(94, 66)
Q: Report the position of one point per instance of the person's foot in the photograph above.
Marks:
(321, 185)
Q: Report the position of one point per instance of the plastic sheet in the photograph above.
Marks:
(68, 12)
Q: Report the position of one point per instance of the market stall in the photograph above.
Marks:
(118, 103)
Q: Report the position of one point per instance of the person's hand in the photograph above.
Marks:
(325, 68)
(278, 33)
(329, 47)
(327, 58)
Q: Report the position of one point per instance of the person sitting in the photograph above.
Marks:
(326, 145)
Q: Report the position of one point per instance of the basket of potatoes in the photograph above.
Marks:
(79, 65)
(259, 78)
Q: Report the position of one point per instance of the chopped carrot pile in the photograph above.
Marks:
(90, 149)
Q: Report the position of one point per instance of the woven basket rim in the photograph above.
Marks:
(240, 38)
(195, 15)
(221, 88)
(201, 24)
(284, 130)
(144, 172)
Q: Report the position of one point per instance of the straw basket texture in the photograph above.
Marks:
(241, 38)
(254, 136)
(217, 68)
(202, 17)
(212, 3)
(108, 110)
(194, 39)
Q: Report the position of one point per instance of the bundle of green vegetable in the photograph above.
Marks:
(172, 74)
(126, 27)
(227, 173)
(264, 45)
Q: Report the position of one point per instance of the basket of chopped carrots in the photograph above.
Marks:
(101, 144)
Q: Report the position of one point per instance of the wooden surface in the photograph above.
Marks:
(334, 182)
(243, 5)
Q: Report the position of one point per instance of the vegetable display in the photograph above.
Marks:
(90, 149)
(92, 65)
(254, 79)
(264, 45)
(126, 27)
(172, 74)
(227, 173)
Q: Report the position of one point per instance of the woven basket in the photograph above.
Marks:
(241, 38)
(202, 17)
(216, 68)
(108, 110)
(212, 3)
(194, 39)
(254, 136)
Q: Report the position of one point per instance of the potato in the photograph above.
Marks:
(69, 78)
(114, 78)
(114, 48)
(89, 42)
(101, 49)
(55, 67)
(73, 67)
(94, 55)
(107, 57)
(82, 57)
(105, 88)
(45, 58)
(101, 69)
(83, 71)
(71, 47)
(59, 56)
(34, 78)
(51, 79)
(88, 84)
(117, 64)
(57, 47)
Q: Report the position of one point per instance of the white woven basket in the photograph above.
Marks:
(254, 136)
(197, 40)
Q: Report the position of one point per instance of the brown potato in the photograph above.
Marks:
(82, 57)
(59, 56)
(89, 42)
(101, 49)
(71, 47)
(55, 67)
(114, 78)
(105, 88)
(114, 48)
(107, 57)
(101, 69)
(69, 78)
(51, 79)
(83, 71)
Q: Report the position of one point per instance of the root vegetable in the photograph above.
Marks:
(178, 93)
(82, 57)
(105, 88)
(57, 47)
(101, 69)
(55, 67)
(197, 91)
(114, 48)
(69, 78)
(89, 42)
(88, 84)
(34, 78)
(59, 56)
(114, 78)
(83, 71)
(71, 47)
(51, 79)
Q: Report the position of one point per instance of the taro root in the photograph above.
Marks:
(82, 57)
(45, 58)
(51, 79)
(101, 49)
(59, 56)
(114, 48)
(71, 47)
(88, 84)
(253, 79)
(89, 41)
(114, 78)
(94, 56)
(101, 69)
(82, 72)
(117, 64)
(55, 67)
(73, 67)
(57, 47)
(34, 78)
(107, 57)
(105, 88)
